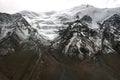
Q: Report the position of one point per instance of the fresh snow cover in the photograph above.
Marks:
(48, 23)
(53, 20)
(46, 26)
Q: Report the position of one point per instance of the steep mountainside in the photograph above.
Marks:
(82, 43)
(78, 39)
(82, 30)
(16, 31)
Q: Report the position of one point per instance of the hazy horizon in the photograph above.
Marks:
(13, 6)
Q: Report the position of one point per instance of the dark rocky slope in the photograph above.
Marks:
(16, 33)
(78, 39)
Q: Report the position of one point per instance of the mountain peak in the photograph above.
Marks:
(86, 5)
(83, 6)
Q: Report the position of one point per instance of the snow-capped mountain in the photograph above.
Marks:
(12, 28)
(48, 23)
(93, 31)
(111, 32)
(78, 39)
(15, 31)
(83, 30)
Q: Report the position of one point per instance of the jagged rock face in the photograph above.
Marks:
(78, 39)
(16, 32)
(13, 23)
(13, 30)
(5, 18)
(86, 18)
(112, 31)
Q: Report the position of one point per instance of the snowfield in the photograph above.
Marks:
(53, 20)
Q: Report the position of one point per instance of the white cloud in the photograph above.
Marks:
(12, 6)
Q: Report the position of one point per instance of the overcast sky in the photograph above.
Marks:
(12, 6)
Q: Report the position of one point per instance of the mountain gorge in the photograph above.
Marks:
(81, 41)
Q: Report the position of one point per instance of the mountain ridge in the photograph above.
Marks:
(49, 24)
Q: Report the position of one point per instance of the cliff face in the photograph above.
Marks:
(79, 39)
(15, 32)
